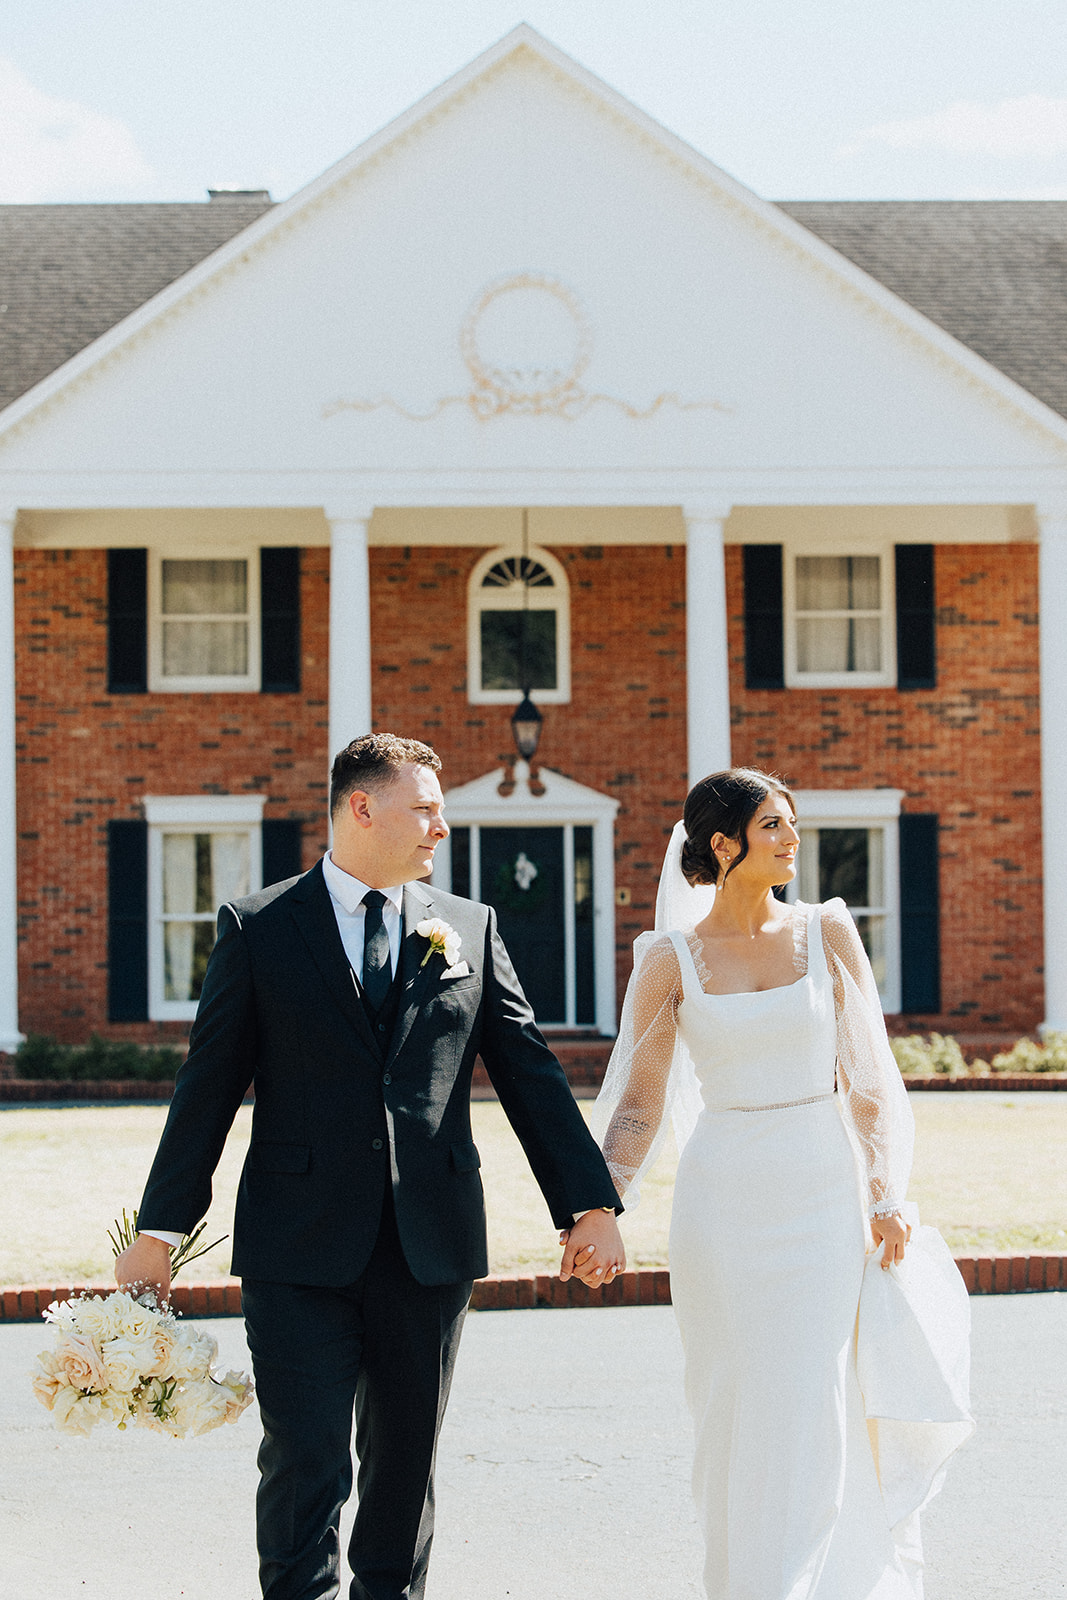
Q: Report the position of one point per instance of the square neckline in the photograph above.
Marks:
(802, 919)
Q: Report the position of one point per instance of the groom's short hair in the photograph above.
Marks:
(372, 761)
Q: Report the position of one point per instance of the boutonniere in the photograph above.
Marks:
(444, 940)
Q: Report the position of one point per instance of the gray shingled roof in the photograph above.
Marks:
(68, 273)
(991, 272)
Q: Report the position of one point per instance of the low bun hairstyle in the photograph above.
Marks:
(724, 803)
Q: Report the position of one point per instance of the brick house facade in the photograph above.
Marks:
(321, 516)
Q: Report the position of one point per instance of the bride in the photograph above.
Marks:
(807, 1486)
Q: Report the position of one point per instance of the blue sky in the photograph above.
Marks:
(804, 99)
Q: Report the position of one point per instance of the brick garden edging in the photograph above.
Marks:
(648, 1286)
(118, 1089)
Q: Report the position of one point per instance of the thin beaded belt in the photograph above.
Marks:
(784, 1105)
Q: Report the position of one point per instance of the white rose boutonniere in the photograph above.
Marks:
(444, 940)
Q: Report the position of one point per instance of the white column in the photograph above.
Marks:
(350, 651)
(707, 659)
(10, 1036)
(1052, 603)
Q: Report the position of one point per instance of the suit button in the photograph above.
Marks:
(381, 1027)
(387, 1077)
(376, 1144)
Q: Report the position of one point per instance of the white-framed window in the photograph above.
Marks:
(839, 618)
(203, 620)
(518, 626)
(849, 847)
(202, 851)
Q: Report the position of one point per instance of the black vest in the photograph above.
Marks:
(383, 1021)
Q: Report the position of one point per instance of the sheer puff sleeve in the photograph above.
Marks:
(873, 1097)
(639, 1085)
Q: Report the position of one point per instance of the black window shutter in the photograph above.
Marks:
(281, 849)
(127, 921)
(127, 621)
(920, 932)
(279, 619)
(764, 632)
(916, 638)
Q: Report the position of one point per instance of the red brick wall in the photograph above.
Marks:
(623, 732)
(85, 756)
(967, 750)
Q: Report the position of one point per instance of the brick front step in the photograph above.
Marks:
(648, 1286)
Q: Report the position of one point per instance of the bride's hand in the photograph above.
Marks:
(892, 1232)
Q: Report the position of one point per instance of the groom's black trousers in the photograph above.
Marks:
(386, 1345)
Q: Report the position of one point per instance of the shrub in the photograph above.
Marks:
(1026, 1056)
(926, 1058)
(41, 1056)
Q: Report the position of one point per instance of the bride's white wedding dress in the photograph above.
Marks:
(768, 1248)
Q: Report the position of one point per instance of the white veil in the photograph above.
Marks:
(678, 907)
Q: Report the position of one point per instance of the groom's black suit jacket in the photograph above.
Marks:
(341, 1110)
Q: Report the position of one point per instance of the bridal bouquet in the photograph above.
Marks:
(122, 1359)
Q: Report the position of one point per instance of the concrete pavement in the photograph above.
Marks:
(563, 1473)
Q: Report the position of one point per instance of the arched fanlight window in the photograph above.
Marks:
(518, 629)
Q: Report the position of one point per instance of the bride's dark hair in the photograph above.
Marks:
(725, 803)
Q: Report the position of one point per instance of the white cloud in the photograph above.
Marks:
(53, 149)
(1031, 125)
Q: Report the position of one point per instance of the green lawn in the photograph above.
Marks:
(989, 1172)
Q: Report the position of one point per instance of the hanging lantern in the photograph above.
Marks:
(526, 727)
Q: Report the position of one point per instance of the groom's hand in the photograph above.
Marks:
(593, 1250)
(145, 1264)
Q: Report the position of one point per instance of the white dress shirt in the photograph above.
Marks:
(346, 897)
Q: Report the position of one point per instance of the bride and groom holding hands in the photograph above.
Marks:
(355, 1000)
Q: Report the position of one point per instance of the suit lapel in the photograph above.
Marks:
(313, 913)
(416, 978)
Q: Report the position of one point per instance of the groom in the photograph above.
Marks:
(360, 1223)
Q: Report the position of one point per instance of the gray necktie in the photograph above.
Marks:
(377, 968)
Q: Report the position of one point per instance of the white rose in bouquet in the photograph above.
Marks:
(80, 1364)
(117, 1359)
(193, 1353)
(97, 1317)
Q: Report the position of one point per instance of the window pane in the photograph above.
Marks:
(822, 583)
(865, 588)
(838, 583)
(822, 644)
(839, 644)
(205, 649)
(866, 644)
(460, 845)
(204, 588)
(501, 635)
(179, 872)
(843, 865)
(186, 948)
(872, 932)
(229, 867)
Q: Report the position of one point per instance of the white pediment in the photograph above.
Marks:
(522, 275)
(555, 799)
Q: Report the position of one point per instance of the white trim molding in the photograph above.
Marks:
(564, 804)
(867, 809)
(10, 1037)
(886, 675)
(192, 813)
(555, 599)
(1052, 603)
(247, 682)
(192, 810)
